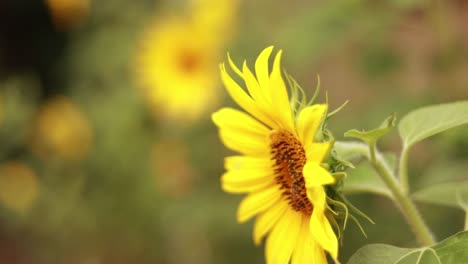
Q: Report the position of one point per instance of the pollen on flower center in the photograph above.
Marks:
(289, 157)
(189, 61)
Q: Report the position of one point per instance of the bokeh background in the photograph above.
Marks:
(107, 151)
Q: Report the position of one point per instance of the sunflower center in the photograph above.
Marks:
(189, 61)
(289, 157)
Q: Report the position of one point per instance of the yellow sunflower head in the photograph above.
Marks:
(61, 131)
(176, 69)
(19, 186)
(281, 164)
(216, 16)
(68, 13)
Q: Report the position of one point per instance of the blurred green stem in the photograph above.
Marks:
(406, 205)
(403, 169)
(466, 220)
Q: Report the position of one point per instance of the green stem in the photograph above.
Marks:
(466, 221)
(403, 169)
(372, 149)
(406, 205)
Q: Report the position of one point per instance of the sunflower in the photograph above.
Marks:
(61, 131)
(19, 186)
(216, 16)
(67, 14)
(279, 166)
(176, 69)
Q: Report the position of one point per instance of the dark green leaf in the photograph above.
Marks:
(378, 253)
(452, 250)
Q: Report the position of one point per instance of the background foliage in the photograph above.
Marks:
(119, 184)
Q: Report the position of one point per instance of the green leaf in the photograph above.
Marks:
(443, 170)
(373, 135)
(428, 121)
(452, 250)
(454, 194)
(364, 179)
(381, 253)
(378, 253)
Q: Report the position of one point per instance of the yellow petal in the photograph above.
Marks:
(242, 99)
(308, 122)
(244, 143)
(247, 162)
(316, 152)
(283, 238)
(262, 72)
(242, 181)
(319, 225)
(315, 175)
(252, 85)
(317, 197)
(234, 67)
(319, 255)
(324, 234)
(279, 96)
(229, 118)
(307, 250)
(265, 221)
(257, 202)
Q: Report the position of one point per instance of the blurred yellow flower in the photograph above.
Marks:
(68, 13)
(219, 17)
(279, 166)
(18, 186)
(177, 69)
(61, 131)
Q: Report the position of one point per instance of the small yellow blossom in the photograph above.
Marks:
(18, 186)
(68, 13)
(176, 69)
(218, 17)
(279, 166)
(61, 131)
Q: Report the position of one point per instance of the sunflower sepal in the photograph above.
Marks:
(334, 112)
(339, 208)
(298, 98)
(333, 163)
(339, 176)
(342, 209)
(336, 163)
